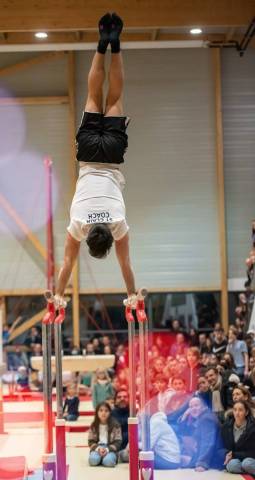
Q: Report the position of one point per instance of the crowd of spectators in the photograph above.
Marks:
(201, 396)
(201, 405)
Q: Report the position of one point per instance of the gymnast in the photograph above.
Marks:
(97, 212)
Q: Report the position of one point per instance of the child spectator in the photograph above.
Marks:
(104, 437)
(71, 404)
(102, 388)
(23, 379)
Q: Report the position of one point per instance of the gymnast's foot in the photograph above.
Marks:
(116, 29)
(104, 27)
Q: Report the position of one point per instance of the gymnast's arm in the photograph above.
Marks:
(122, 252)
(72, 248)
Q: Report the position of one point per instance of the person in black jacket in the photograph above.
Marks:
(71, 404)
(238, 434)
(199, 437)
(121, 413)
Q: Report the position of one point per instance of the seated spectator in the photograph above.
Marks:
(71, 404)
(193, 338)
(90, 349)
(171, 367)
(239, 351)
(193, 370)
(176, 326)
(107, 350)
(249, 340)
(96, 345)
(203, 391)
(179, 347)
(216, 386)
(34, 336)
(241, 392)
(182, 365)
(179, 395)
(164, 443)
(228, 388)
(102, 387)
(158, 365)
(250, 379)
(104, 437)
(203, 346)
(238, 433)
(159, 401)
(23, 379)
(219, 343)
(199, 437)
(121, 413)
(227, 362)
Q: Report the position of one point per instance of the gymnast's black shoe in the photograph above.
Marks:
(116, 29)
(104, 27)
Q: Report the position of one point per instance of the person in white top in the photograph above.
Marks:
(98, 210)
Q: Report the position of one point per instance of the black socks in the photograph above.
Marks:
(110, 27)
(104, 27)
(116, 28)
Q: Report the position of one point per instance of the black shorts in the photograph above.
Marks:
(101, 139)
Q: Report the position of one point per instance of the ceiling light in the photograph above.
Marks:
(195, 31)
(41, 35)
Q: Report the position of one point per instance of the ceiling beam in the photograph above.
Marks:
(91, 37)
(69, 14)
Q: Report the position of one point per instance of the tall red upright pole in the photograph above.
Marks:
(50, 239)
(46, 327)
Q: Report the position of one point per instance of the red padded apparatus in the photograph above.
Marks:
(13, 468)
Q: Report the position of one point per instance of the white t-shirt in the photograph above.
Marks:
(98, 199)
(103, 434)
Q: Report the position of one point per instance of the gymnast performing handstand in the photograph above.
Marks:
(97, 212)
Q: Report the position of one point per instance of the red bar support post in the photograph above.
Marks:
(132, 421)
(146, 456)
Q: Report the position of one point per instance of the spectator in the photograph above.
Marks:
(204, 391)
(219, 344)
(179, 395)
(239, 351)
(203, 347)
(96, 345)
(23, 379)
(182, 365)
(104, 437)
(107, 350)
(199, 437)
(158, 365)
(164, 443)
(193, 338)
(179, 347)
(90, 349)
(34, 337)
(71, 404)
(249, 340)
(176, 326)
(121, 413)
(240, 392)
(159, 402)
(228, 388)
(102, 387)
(192, 373)
(250, 380)
(216, 386)
(238, 434)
